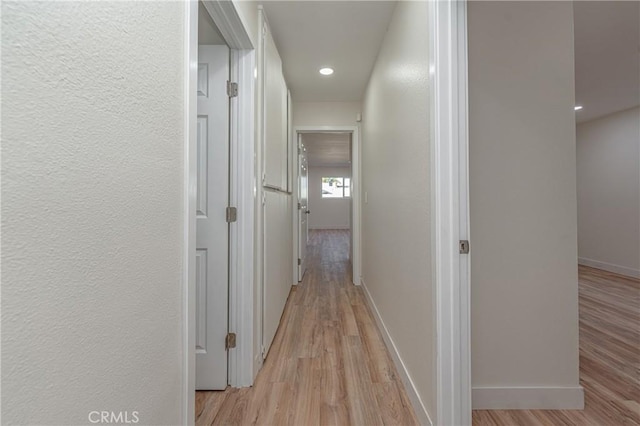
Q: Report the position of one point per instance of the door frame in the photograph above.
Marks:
(241, 195)
(297, 140)
(450, 200)
(355, 193)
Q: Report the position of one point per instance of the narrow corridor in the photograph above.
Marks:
(328, 364)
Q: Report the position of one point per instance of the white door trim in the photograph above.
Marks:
(449, 147)
(241, 238)
(243, 181)
(189, 219)
(228, 21)
(355, 194)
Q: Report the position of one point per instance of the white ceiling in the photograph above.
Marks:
(328, 149)
(607, 55)
(344, 35)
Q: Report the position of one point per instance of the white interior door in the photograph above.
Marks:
(303, 208)
(212, 240)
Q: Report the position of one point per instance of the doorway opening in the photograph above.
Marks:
(219, 204)
(212, 200)
(324, 189)
(326, 185)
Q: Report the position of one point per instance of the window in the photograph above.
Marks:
(336, 187)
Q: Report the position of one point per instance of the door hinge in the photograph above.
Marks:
(232, 214)
(232, 89)
(299, 261)
(464, 246)
(230, 341)
(299, 206)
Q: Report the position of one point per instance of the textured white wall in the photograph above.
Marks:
(92, 210)
(395, 221)
(524, 284)
(328, 213)
(609, 192)
(325, 113)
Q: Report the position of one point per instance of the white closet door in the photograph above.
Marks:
(277, 261)
(275, 118)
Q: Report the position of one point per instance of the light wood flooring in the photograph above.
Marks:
(328, 364)
(609, 358)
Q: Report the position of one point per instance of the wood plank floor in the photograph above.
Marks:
(609, 358)
(328, 364)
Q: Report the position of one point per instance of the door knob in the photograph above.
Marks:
(307, 212)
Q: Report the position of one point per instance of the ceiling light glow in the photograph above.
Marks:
(326, 71)
(577, 107)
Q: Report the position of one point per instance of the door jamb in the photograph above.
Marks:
(242, 183)
(356, 197)
(241, 233)
(450, 220)
(189, 218)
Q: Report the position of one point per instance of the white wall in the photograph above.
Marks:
(92, 211)
(396, 221)
(327, 213)
(608, 157)
(325, 113)
(524, 290)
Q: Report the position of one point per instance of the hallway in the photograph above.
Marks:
(328, 363)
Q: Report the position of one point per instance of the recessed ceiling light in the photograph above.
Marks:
(577, 107)
(326, 71)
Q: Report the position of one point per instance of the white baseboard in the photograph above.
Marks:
(327, 228)
(257, 366)
(416, 402)
(523, 398)
(611, 267)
